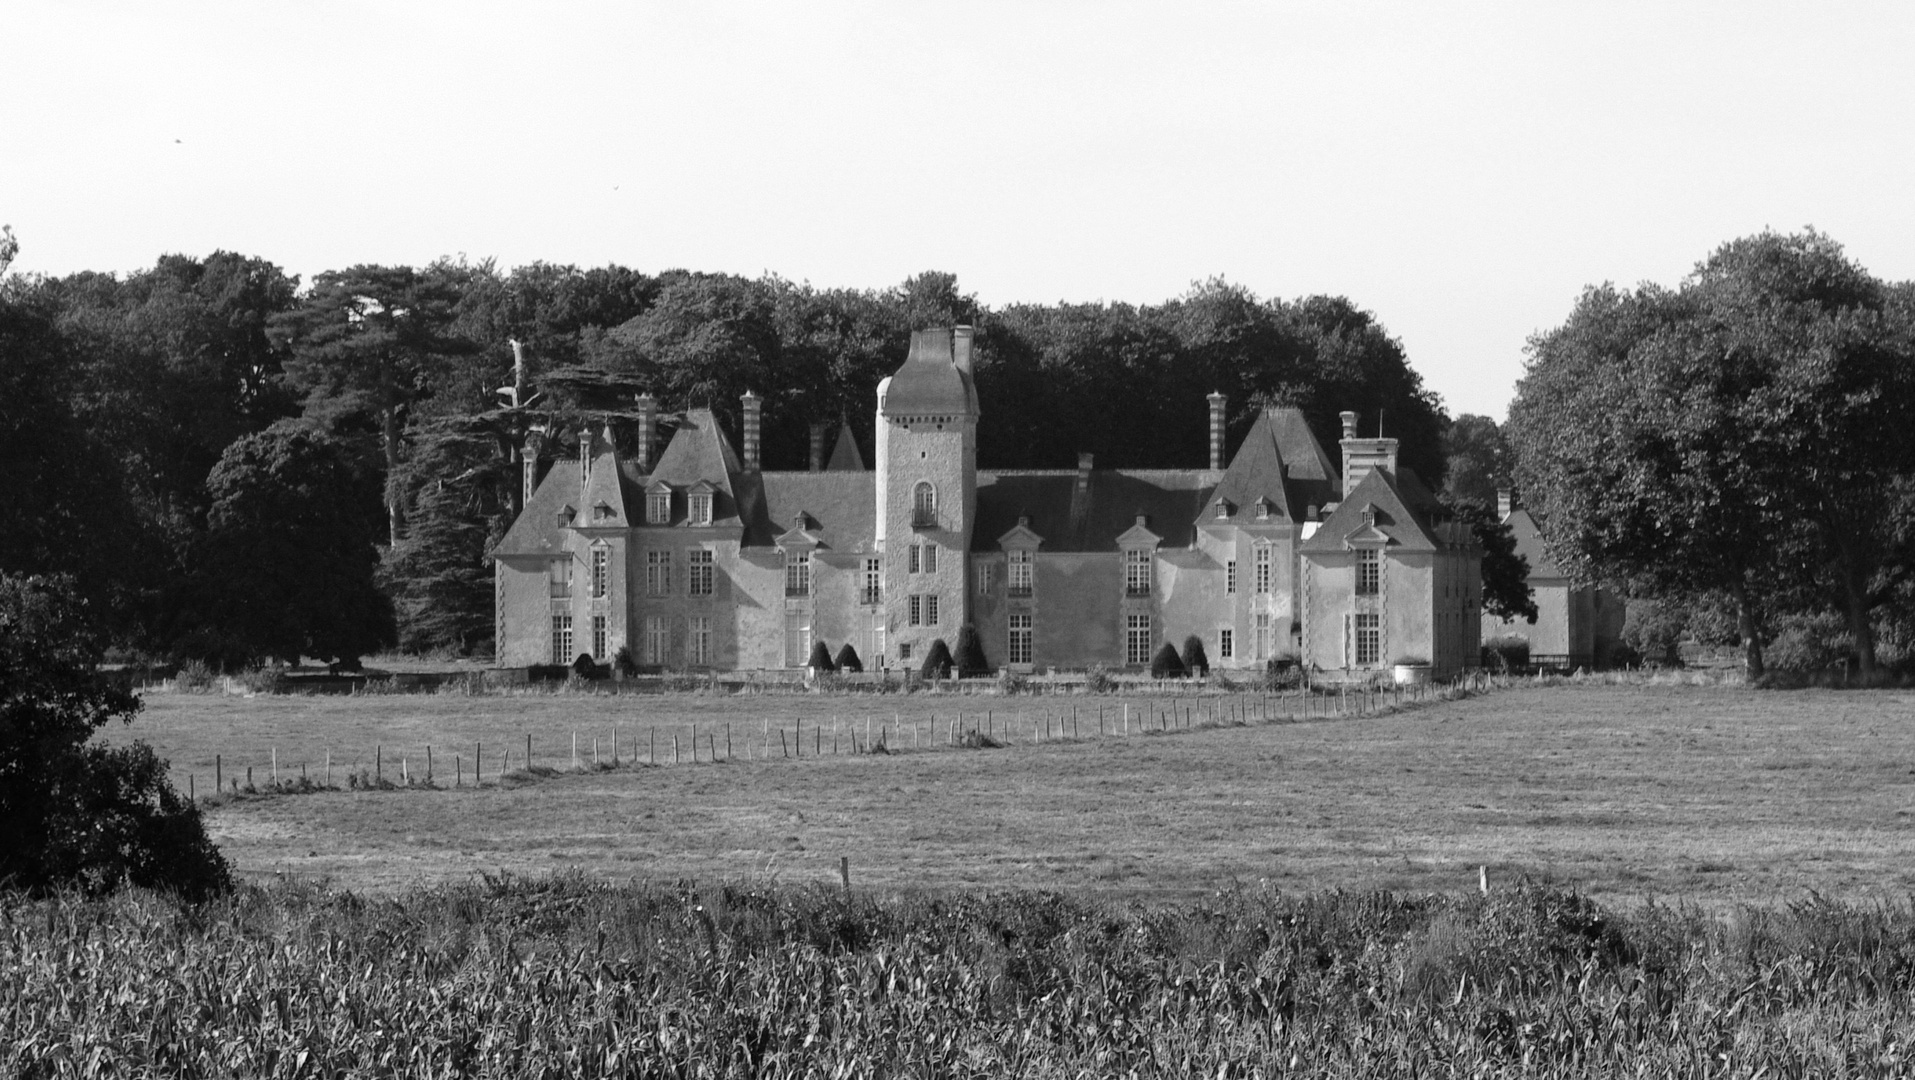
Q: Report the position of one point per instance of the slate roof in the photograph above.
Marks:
(1171, 499)
(538, 530)
(698, 451)
(1405, 513)
(929, 381)
(1529, 544)
(845, 456)
(840, 508)
(1280, 461)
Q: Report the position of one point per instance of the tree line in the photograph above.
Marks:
(236, 466)
(1740, 448)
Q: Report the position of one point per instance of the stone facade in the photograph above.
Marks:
(707, 561)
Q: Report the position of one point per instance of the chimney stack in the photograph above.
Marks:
(529, 462)
(1083, 469)
(817, 448)
(1361, 457)
(584, 457)
(1216, 429)
(647, 430)
(1505, 502)
(961, 348)
(752, 404)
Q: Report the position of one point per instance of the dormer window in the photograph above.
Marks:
(1223, 510)
(566, 516)
(658, 507)
(699, 508)
(602, 512)
(797, 573)
(1369, 571)
(1263, 510)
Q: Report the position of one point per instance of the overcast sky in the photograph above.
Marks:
(1461, 170)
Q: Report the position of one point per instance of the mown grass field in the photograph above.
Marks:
(1626, 792)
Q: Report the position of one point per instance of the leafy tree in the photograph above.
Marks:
(1477, 454)
(288, 562)
(937, 661)
(970, 653)
(9, 247)
(848, 659)
(368, 344)
(1743, 435)
(1194, 659)
(1167, 664)
(1506, 591)
(821, 658)
(73, 812)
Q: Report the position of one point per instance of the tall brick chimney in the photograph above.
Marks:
(817, 448)
(1505, 502)
(961, 348)
(1361, 457)
(1216, 400)
(752, 404)
(647, 430)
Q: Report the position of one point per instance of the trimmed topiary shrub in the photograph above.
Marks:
(970, 653)
(1167, 664)
(820, 661)
(1195, 662)
(937, 661)
(848, 661)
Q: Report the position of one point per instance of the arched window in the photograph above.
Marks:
(924, 504)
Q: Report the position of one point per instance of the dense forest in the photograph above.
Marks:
(238, 466)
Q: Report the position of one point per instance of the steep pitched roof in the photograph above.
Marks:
(700, 451)
(605, 488)
(1405, 529)
(1529, 544)
(930, 380)
(845, 456)
(841, 507)
(539, 530)
(1281, 462)
(1171, 500)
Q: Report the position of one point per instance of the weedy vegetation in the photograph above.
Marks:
(567, 976)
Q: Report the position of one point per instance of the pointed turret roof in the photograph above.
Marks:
(845, 456)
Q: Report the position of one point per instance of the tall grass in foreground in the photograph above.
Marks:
(567, 977)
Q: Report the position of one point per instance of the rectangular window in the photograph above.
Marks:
(1263, 636)
(986, 578)
(1369, 635)
(561, 576)
(598, 638)
(658, 639)
(1230, 576)
(1137, 572)
(561, 637)
(601, 571)
(873, 591)
(658, 573)
(701, 641)
(701, 573)
(658, 508)
(797, 573)
(904, 650)
(700, 508)
(923, 609)
(1226, 644)
(924, 558)
(797, 638)
(1020, 646)
(1137, 639)
(1264, 561)
(1021, 576)
(1369, 571)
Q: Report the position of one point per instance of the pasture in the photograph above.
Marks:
(1626, 792)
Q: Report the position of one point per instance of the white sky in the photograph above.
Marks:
(1462, 170)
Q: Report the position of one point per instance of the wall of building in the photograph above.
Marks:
(941, 452)
(522, 593)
